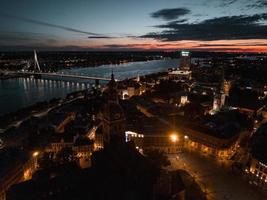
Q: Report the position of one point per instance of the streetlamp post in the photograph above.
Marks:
(35, 157)
(174, 139)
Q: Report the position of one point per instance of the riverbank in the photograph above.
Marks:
(12, 75)
(19, 93)
(54, 61)
(14, 119)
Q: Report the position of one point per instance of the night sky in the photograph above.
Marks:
(215, 25)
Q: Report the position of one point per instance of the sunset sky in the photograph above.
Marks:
(214, 25)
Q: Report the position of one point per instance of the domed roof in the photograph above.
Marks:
(113, 111)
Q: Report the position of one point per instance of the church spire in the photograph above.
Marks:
(112, 90)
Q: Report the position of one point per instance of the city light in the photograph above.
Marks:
(174, 137)
(35, 154)
(185, 53)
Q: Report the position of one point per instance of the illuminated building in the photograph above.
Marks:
(180, 74)
(209, 144)
(216, 135)
(257, 169)
(18, 167)
(81, 146)
(133, 89)
(227, 87)
(218, 101)
(153, 135)
(184, 72)
(162, 142)
(219, 96)
(185, 61)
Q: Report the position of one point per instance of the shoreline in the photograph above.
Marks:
(10, 120)
(44, 106)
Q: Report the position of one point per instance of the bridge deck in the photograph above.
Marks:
(67, 75)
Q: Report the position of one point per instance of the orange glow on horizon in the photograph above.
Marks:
(253, 45)
(249, 45)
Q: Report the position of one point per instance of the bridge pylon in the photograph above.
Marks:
(36, 63)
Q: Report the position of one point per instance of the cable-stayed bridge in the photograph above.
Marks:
(38, 72)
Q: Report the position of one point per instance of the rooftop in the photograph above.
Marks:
(259, 144)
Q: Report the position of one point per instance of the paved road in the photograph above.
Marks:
(216, 179)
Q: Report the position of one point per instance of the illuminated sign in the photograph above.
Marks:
(185, 53)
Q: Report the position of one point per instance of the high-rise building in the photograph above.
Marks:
(185, 61)
(184, 71)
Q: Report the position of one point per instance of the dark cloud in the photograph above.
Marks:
(9, 37)
(227, 3)
(37, 22)
(101, 37)
(222, 28)
(126, 45)
(262, 3)
(258, 4)
(42, 47)
(170, 14)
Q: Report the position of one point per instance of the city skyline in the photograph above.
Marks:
(205, 25)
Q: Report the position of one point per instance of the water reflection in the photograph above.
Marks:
(22, 92)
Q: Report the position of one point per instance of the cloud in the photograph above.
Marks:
(258, 4)
(42, 47)
(37, 22)
(230, 45)
(126, 45)
(101, 37)
(170, 14)
(262, 2)
(221, 28)
(15, 37)
(227, 3)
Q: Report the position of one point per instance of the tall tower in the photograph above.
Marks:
(113, 118)
(185, 61)
(219, 96)
(36, 63)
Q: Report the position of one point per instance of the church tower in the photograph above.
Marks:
(113, 118)
(219, 96)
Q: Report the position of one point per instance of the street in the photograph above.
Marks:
(215, 179)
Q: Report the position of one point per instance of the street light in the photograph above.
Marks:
(35, 154)
(174, 137)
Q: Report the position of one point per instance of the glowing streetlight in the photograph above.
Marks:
(35, 154)
(174, 137)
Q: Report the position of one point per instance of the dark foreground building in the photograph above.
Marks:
(118, 170)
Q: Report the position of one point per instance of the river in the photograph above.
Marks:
(22, 92)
